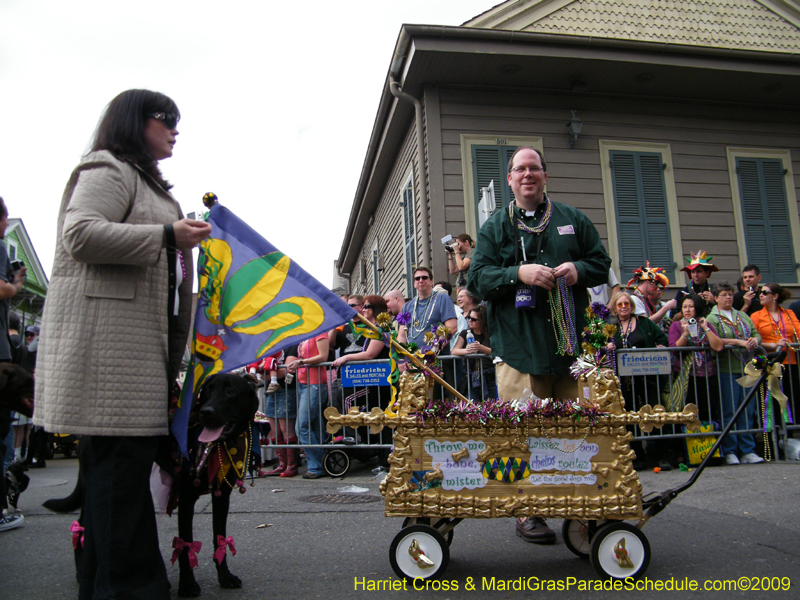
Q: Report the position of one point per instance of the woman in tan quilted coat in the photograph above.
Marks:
(115, 326)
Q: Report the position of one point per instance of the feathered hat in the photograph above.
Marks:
(648, 273)
(699, 260)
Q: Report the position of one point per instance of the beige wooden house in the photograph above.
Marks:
(689, 133)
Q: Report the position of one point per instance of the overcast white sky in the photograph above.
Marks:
(277, 102)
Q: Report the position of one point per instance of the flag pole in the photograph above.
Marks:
(417, 362)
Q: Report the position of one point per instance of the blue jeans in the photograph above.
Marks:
(733, 395)
(310, 424)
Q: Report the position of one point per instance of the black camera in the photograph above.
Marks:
(16, 265)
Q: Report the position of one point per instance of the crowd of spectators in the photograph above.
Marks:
(710, 339)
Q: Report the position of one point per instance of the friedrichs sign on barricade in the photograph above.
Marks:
(365, 375)
(643, 363)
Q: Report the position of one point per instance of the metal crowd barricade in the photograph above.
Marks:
(703, 390)
(458, 371)
(474, 377)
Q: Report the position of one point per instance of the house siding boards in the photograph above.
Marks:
(388, 225)
(737, 24)
(698, 152)
(697, 148)
(694, 79)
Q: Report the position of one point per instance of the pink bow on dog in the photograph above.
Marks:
(192, 548)
(77, 534)
(222, 543)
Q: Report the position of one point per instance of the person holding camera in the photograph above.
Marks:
(696, 371)
(748, 300)
(459, 257)
(532, 264)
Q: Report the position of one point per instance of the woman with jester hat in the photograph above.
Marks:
(650, 284)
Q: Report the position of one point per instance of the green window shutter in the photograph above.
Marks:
(640, 199)
(765, 213)
(491, 163)
(409, 237)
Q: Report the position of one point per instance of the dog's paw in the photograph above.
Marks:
(188, 589)
(229, 581)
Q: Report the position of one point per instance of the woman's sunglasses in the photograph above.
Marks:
(471, 319)
(764, 292)
(367, 306)
(170, 120)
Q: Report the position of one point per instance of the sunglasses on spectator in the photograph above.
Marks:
(170, 120)
(353, 305)
(421, 278)
(471, 319)
(369, 306)
(764, 292)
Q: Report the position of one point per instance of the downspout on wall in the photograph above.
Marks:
(394, 87)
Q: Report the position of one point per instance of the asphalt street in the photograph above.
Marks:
(311, 539)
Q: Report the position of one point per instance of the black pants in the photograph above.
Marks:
(5, 427)
(121, 557)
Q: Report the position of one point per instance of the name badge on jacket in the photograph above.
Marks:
(566, 230)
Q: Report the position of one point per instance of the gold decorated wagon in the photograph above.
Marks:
(574, 463)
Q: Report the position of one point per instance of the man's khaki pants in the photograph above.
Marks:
(511, 384)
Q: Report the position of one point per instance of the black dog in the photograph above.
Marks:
(217, 464)
(224, 411)
(16, 389)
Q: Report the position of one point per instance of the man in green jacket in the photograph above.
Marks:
(554, 251)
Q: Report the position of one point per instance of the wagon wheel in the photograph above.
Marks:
(426, 521)
(419, 551)
(336, 462)
(578, 534)
(620, 550)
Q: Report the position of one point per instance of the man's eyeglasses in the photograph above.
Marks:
(353, 305)
(523, 170)
(421, 278)
(170, 120)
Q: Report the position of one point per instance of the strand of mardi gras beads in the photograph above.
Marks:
(543, 222)
(766, 419)
(562, 311)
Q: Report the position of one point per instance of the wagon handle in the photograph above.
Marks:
(417, 362)
(660, 501)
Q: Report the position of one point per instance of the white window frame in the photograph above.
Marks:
(13, 250)
(785, 156)
(376, 282)
(408, 274)
(606, 146)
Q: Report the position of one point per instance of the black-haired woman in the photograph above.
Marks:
(695, 381)
(480, 376)
(779, 328)
(114, 330)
